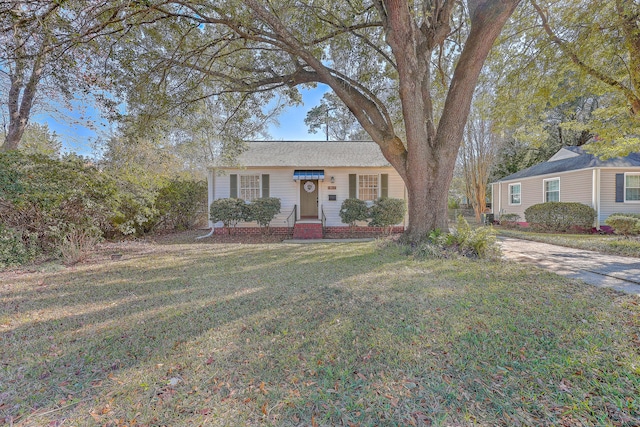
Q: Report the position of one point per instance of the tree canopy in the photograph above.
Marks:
(378, 57)
(568, 72)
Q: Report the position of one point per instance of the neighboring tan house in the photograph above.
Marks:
(310, 178)
(572, 175)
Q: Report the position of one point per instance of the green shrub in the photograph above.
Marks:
(41, 199)
(229, 211)
(477, 243)
(624, 225)
(630, 215)
(264, 209)
(464, 240)
(560, 216)
(509, 220)
(387, 212)
(16, 248)
(135, 213)
(179, 202)
(353, 210)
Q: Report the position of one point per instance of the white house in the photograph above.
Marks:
(311, 179)
(572, 175)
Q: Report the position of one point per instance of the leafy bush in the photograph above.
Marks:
(353, 210)
(387, 212)
(264, 209)
(474, 243)
(135, 213)
(16, 248)
(179, 202)
(42, 199)
(630, 215)
(229, 211)
(560, 216)
(509, 220)
(624, 225)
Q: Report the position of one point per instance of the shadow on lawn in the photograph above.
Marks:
(106, 318)
(321, 330)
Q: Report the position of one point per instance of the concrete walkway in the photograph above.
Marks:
(606, 271)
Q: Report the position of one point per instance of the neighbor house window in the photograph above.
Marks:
(514, 194)
(249, 187)
(552, 190)
(368, 187)
(632, 187)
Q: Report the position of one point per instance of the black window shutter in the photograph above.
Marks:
(384, 185)
(265, 185)
(233, 186)
(352, 185)
(619, 187)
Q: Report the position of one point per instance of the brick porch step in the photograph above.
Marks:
(307, 230)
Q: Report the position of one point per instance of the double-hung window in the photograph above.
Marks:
(632, 187)
(368, 187)
(249, 187)
(515, 194)
(552, 190)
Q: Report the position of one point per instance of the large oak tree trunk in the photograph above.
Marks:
(431, 153)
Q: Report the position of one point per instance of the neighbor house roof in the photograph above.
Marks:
(311, 154)
(581, 160)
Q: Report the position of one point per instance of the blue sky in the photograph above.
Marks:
(78, 136)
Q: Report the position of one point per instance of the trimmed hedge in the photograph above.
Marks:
(387, 212)
(560, 216)
(353, 210)
(232, 211)
(623, 224)
(263, 210)
(229, 211)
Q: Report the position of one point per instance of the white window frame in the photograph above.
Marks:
(378, 187)
(240, 188)
(544, 188)
(511, 194)
(625, 186)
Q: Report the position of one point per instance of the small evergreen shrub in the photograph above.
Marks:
(560, 216)
(624, 225)
(630, 215)
(229, 211)
(264, 209)
(387, 212)
(509, 220)
(353, 210)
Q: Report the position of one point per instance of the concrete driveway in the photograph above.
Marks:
(607, 271)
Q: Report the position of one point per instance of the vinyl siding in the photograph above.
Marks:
(575, 186)
(608, 203)
(287, 190)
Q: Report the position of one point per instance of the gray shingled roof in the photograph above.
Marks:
(312, 154)
(583, 161)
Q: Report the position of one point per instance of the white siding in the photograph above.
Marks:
(608, 203)
(287, 190)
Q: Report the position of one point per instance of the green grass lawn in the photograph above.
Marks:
(607, 244)
(312, 335)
